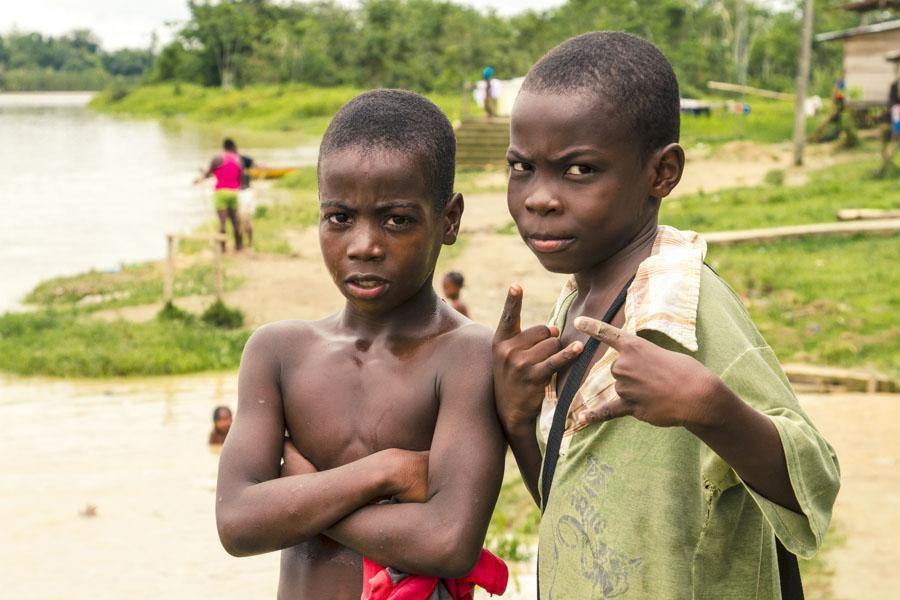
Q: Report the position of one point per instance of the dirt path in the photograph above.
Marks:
(865, 432)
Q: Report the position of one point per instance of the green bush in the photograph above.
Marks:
(219, 315)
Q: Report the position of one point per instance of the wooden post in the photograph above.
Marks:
(802, 81)
(464, 114)
(169, 275)
(217, 266)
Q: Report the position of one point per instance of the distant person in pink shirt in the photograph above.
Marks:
(227, 169)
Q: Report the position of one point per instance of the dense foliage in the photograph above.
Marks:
(75, 61)
(430, 45)
(433, 45)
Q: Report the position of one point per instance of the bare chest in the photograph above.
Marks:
(342, 404)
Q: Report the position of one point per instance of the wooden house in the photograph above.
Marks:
(870, 51)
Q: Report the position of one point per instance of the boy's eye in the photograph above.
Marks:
(578, 170)
(399, 221)
(338, 218)
(517, 165)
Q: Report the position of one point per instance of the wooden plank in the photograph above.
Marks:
(169, 275)
(880, 226)
(746, 89)
(860, 214)
(200, 237)
(850, 379)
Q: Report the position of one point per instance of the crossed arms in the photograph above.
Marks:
(436, 529)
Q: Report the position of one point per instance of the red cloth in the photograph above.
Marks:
(489, 573)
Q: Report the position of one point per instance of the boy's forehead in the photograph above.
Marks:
(583, 106)
(386, 164)
(571, 118)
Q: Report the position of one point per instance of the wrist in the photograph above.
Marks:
(519, 423)
(388, 473)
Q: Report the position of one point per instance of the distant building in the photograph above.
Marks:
(870, 52)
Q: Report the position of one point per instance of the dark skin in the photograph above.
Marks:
(390, 397)
(451, 293)
(585, 200)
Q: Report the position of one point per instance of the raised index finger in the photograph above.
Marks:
(606, 333)
(509, 325)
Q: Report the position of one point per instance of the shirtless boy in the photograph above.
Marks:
(391, 397)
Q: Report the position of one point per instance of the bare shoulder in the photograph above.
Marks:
(467, 349)
(275, 340)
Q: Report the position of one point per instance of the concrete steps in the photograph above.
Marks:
(482, 143)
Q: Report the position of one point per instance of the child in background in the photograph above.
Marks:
(453, 284)
(221, 425)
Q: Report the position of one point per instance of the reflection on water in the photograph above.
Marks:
(80, 190)
(137, 450)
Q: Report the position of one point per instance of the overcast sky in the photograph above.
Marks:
(130, 23)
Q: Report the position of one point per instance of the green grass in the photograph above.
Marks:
(62, 344)
(130, 286)
(851, 185)
(831, 301)
(769, 121)
(816, 573)
(514, 525)
(294, 108)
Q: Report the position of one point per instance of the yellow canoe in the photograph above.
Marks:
(272, 173)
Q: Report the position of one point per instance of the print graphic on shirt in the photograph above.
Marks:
(603, 569)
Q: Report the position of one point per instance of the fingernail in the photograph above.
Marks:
(590, 326)
(576, 347)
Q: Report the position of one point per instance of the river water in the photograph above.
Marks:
(79, 190)
(136, 450)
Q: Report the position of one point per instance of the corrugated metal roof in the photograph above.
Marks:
(857, 31)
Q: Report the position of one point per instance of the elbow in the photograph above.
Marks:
(456, 554)
(236, 537)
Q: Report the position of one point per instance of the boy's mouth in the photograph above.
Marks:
(366, 287)
(546, 244)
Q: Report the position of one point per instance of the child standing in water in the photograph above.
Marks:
(677, 462)
(390, 397)
(227, 169)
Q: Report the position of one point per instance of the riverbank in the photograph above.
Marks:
(828, 301)
(290, 108)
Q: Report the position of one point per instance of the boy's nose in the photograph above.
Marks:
(542, 202)
(366, 245)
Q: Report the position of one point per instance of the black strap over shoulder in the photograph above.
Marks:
(788, 568)
(789, 573)
(557, 427)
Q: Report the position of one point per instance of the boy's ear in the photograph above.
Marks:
(453, 211)
(667, 165)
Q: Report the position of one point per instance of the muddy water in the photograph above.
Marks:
(137, 451)
(79, 190)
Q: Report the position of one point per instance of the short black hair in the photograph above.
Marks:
(229, 146)
(220, 409)
(400, 121)
(620, 68)
(456, 278)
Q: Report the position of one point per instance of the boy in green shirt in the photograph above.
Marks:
(684, 453)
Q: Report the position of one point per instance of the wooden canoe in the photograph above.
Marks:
(271, 173)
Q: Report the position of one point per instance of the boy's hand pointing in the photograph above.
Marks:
(524, 362)
(655, 385)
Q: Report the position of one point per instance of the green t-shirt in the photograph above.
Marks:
(638, 511)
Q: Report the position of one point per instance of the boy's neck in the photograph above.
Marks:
(414, 315)
(616, 270)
